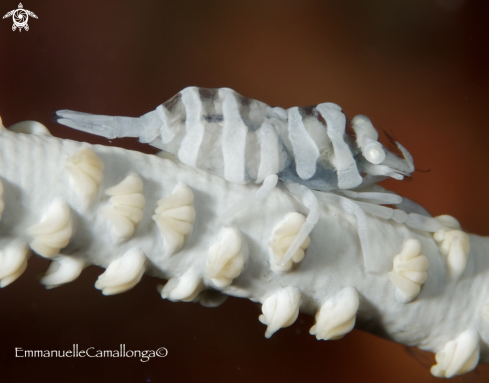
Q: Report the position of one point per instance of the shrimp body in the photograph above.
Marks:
(245, 140)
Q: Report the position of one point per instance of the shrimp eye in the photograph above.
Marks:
(374, 153)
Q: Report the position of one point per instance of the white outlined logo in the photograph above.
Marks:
(20, 17)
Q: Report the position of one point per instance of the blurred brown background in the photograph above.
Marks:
(417, 68)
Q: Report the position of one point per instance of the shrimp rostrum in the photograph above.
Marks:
(308, 148)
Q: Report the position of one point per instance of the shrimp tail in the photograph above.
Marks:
(105, 126)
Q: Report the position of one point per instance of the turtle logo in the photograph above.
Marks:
(20, 17)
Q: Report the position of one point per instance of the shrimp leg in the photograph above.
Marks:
(311, 202)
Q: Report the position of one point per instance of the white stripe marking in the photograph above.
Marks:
(346, 167)
(167, 134)
(269, 157)
(305, 149)
(233, 138)
(190, 147)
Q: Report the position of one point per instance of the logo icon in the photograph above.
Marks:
(20, 17)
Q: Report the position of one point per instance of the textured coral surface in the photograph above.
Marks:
(418, 71)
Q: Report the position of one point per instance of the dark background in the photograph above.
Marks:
(417, 68)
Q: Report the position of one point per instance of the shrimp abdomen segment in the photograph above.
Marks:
(233, 138)
(306, 152)
(346, 167)
(194, 126)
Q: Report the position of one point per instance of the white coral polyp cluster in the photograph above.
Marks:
(280, 309)
(126, 206)
(454, 244)
(283, 235)
(62, 269)
(85, 169)
(337, 315)
(13, 262)
(2, 204)
(175, 217)
(458, 356)
(184, 288)
(123, 273)
(54, 231)
(409, 271)
(225, 260)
